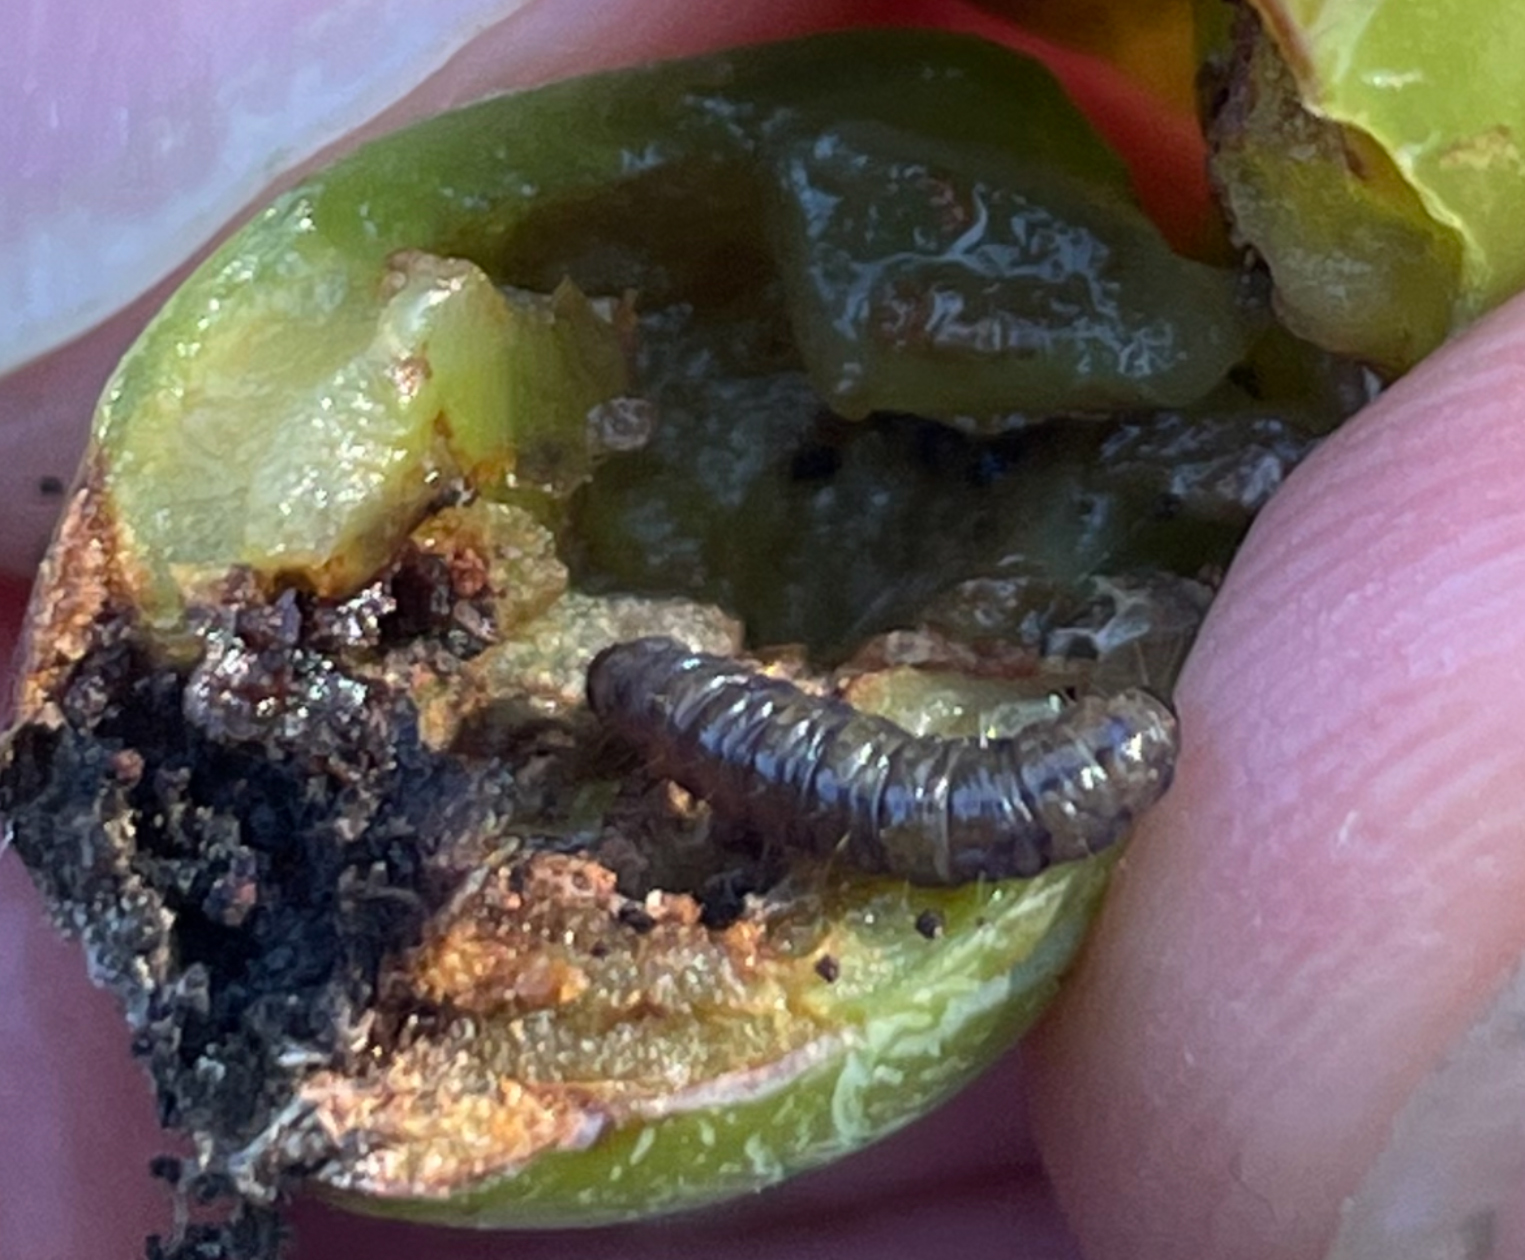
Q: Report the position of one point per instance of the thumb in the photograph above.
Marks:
(1333, 894)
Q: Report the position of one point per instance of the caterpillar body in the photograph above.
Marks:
(817, 773)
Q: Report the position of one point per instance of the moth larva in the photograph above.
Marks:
(819, 774)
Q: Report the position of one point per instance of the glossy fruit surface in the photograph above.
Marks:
(752, 351)
(1367, 151)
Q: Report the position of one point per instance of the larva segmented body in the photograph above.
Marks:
(819, 774)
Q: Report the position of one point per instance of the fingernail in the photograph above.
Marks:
(1448, 1185)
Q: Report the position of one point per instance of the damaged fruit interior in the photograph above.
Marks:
(854, 356)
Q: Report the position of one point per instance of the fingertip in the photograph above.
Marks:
(1331, 892)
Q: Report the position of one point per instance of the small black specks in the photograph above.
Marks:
(929, 923)
(208, 1187)
(634, 917)
(816, 462)
(599, 949)
(166, 1168)
(50, 487)
(723, 899)
(1248, 379)
(828, 968)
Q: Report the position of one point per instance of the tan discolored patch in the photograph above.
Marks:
(597, 1009)
(77, 581)
(553, 933)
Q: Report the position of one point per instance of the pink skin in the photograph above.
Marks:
(1283, 983)
(1303, 992)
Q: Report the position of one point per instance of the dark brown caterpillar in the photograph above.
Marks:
(819, 774)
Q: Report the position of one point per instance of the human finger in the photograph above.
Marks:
(1330, 898)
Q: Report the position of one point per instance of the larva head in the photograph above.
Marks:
(1144, 742)
(620, 679)
(1108, 760)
